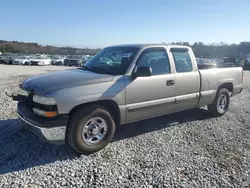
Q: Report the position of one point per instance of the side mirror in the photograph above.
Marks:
(143, 71)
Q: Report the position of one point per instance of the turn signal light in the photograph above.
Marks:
(50, 114)
(45, 114)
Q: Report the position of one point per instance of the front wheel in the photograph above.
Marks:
(90, 129)
(221, 103)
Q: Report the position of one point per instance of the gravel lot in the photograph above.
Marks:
(187, 149)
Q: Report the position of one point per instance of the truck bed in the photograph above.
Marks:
(211, 79)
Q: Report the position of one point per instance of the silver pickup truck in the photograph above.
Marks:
(119, 85)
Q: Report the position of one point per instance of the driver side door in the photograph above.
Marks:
(154, 95)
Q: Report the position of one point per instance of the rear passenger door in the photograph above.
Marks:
(187, 79)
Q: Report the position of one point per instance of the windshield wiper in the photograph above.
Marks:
(97, 70)
(102, 71)
(85, 68)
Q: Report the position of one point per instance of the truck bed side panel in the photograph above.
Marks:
(211, 79)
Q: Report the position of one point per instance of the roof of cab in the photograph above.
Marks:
(148, 45)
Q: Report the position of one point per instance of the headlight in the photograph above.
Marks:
(44, 106)
(44, 100)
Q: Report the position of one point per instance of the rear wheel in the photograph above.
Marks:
(90, 129)
(221, 103)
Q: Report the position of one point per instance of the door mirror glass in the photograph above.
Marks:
(143, 71)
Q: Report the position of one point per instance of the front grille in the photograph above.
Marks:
(29, 102)
(67, 62)
(59, 63)
(34, 63)
(74, 62)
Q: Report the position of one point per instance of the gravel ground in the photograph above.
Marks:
(187, 149)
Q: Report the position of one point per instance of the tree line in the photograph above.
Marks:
(217, 50)
(33, 48)
(200, 49)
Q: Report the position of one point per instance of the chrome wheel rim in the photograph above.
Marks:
(222, 103)
(94, 130)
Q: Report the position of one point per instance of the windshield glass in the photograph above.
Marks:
(112, 60)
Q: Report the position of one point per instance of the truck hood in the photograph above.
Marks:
(43, 84)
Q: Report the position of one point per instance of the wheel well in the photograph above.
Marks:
(228, 86)
(110, 105)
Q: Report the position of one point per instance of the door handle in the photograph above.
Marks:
(170, 82)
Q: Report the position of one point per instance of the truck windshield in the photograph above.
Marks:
(112, 60)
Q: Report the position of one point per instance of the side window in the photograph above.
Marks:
(182, 60)
(157, 59)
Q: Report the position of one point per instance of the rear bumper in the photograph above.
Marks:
(237, 89)
(52, 131)
(241, 90)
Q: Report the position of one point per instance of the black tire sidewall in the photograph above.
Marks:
(226, 93)
(77, 125)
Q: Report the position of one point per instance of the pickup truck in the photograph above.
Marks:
(57, 60)
(73, 60)
(121, 84)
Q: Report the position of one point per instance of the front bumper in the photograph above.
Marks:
(49, 130)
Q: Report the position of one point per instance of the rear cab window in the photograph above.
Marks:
(182, 60)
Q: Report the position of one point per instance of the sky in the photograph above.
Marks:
(100, 23)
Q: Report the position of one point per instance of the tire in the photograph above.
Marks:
(77, 135)
(223, 98)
